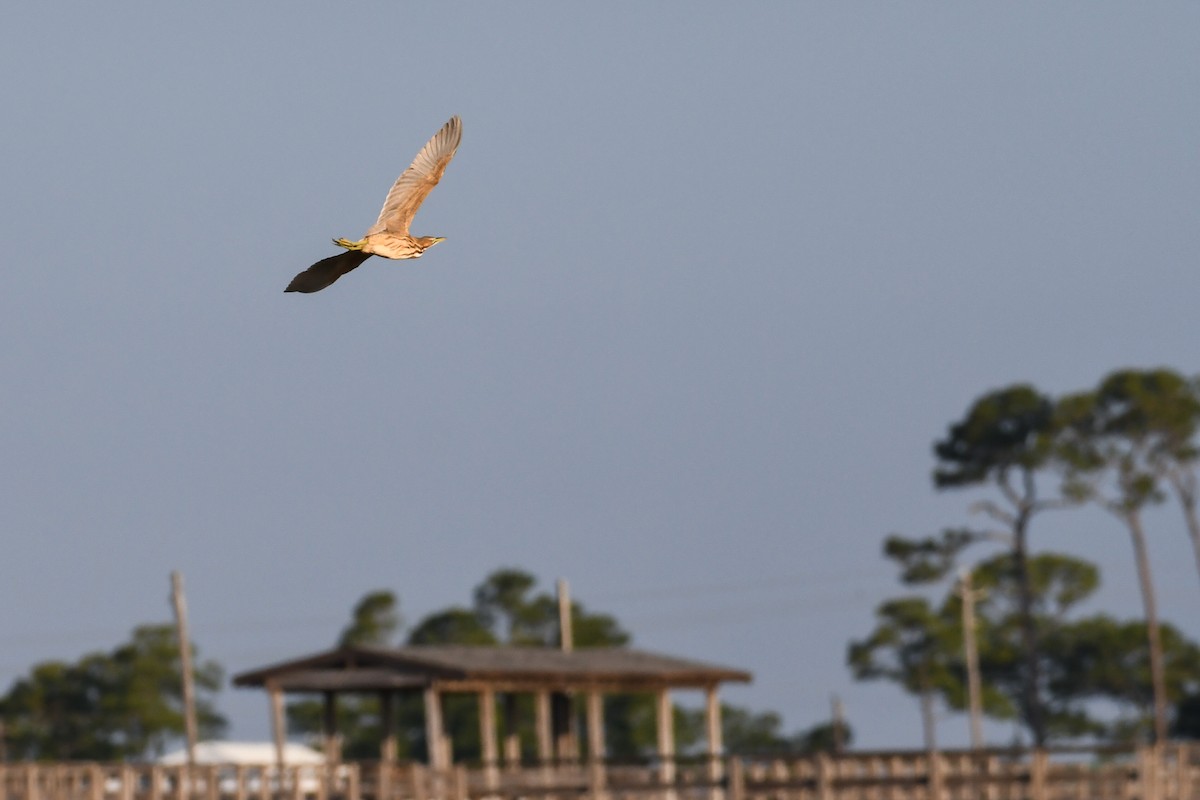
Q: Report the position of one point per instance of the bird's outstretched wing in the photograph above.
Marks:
(326, 271)
(415, 184)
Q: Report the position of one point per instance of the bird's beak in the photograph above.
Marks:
(438, 239)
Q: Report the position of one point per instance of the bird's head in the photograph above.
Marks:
(427, 242)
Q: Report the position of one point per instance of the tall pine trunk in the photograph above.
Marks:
(1030, 692)
(928, 719)
(1133, 521)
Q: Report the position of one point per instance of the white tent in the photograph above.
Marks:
(257, 753)
(258, 758)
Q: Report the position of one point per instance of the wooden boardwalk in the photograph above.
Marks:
(1170, 772)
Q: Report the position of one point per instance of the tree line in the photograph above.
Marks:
(126, 704)
(122, 704)
(1123, 446)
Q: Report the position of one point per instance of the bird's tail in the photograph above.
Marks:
(326, 271)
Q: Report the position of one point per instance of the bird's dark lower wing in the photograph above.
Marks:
(326, 271)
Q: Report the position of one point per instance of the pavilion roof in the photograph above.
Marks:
(464, 667)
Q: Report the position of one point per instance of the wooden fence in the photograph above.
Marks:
(1169, 772)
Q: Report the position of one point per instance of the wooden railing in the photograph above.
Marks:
(1169, 772)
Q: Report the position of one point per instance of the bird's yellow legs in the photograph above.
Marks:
(349, 245)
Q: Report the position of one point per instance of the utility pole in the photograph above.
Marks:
(839, 725)
(566, 745)
(565, 635)
(185, 665)
(971, 655)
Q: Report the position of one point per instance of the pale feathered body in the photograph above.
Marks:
(389, 236)
(391, 245)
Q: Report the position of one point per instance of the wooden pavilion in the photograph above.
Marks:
(489, 672)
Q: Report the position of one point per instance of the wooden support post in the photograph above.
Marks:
(712, 727)
(597, 751)
(666, 735)
(1183, 771)
(383, 779)
(936, 778)
(487, 737)
(715, 742)
(737, 779)
(31, 782)
(459, 790)
(95, 779)
(545, 740)
(545, 744)
(435, 730)
(278, 725)
(420, 783)
(1149, 760)
(824, 777)
(387, 719)
(325, 787)
(1037, 775)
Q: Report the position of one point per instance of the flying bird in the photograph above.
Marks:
(389, 236)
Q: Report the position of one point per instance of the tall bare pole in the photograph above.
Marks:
(185, 665)
(566, 638)
(971, 654)
(566, 744)
(839, 725)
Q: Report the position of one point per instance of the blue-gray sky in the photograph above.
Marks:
(715, 276)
